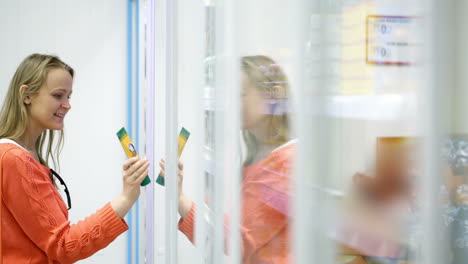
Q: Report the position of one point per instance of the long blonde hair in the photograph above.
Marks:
(266, 74)
(14, 115)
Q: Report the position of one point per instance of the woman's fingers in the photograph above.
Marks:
(134, 167)
(162, 164)
(142, 172)
(129, 162)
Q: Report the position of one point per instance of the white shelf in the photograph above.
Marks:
(364, 107)
(208, 104)
(372, 107)
(208, 163)
(208, 98)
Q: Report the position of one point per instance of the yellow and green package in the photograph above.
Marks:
(130, 150)
(181, 140)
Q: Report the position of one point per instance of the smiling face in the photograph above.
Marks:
(48, 108)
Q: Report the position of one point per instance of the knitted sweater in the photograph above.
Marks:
(34, 218)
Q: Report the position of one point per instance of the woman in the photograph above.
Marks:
(35, 226)
(267, 166)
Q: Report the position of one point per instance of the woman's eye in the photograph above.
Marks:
(58, 96)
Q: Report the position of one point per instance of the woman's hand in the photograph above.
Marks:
(134, 172)
(184, 202)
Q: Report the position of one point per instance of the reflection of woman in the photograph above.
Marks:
(34, 218)
(267, 167)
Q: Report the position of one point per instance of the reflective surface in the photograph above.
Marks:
(347, 147)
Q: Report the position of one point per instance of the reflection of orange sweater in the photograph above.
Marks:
(35, 226)
(265, 209)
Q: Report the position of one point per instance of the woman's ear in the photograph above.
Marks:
(22, 90)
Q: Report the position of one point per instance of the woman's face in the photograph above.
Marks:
(253, 104)
(49, 107)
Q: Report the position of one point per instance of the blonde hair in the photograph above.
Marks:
(14, 115)
(266, 74)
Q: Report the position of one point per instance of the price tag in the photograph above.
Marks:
(393, 40)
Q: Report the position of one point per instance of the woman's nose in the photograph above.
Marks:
(67, 105)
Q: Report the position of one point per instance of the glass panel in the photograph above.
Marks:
(266, 44)
(329, 131)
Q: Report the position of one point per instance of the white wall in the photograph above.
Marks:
(460, 120)
(91, 37)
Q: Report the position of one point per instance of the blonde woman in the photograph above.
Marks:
(267, 166)
(34, 218)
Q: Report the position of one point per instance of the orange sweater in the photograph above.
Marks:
(35, 226)
(265, 210)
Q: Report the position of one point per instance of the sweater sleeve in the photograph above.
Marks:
(254, 235)
(187, 224)
(30, 197)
